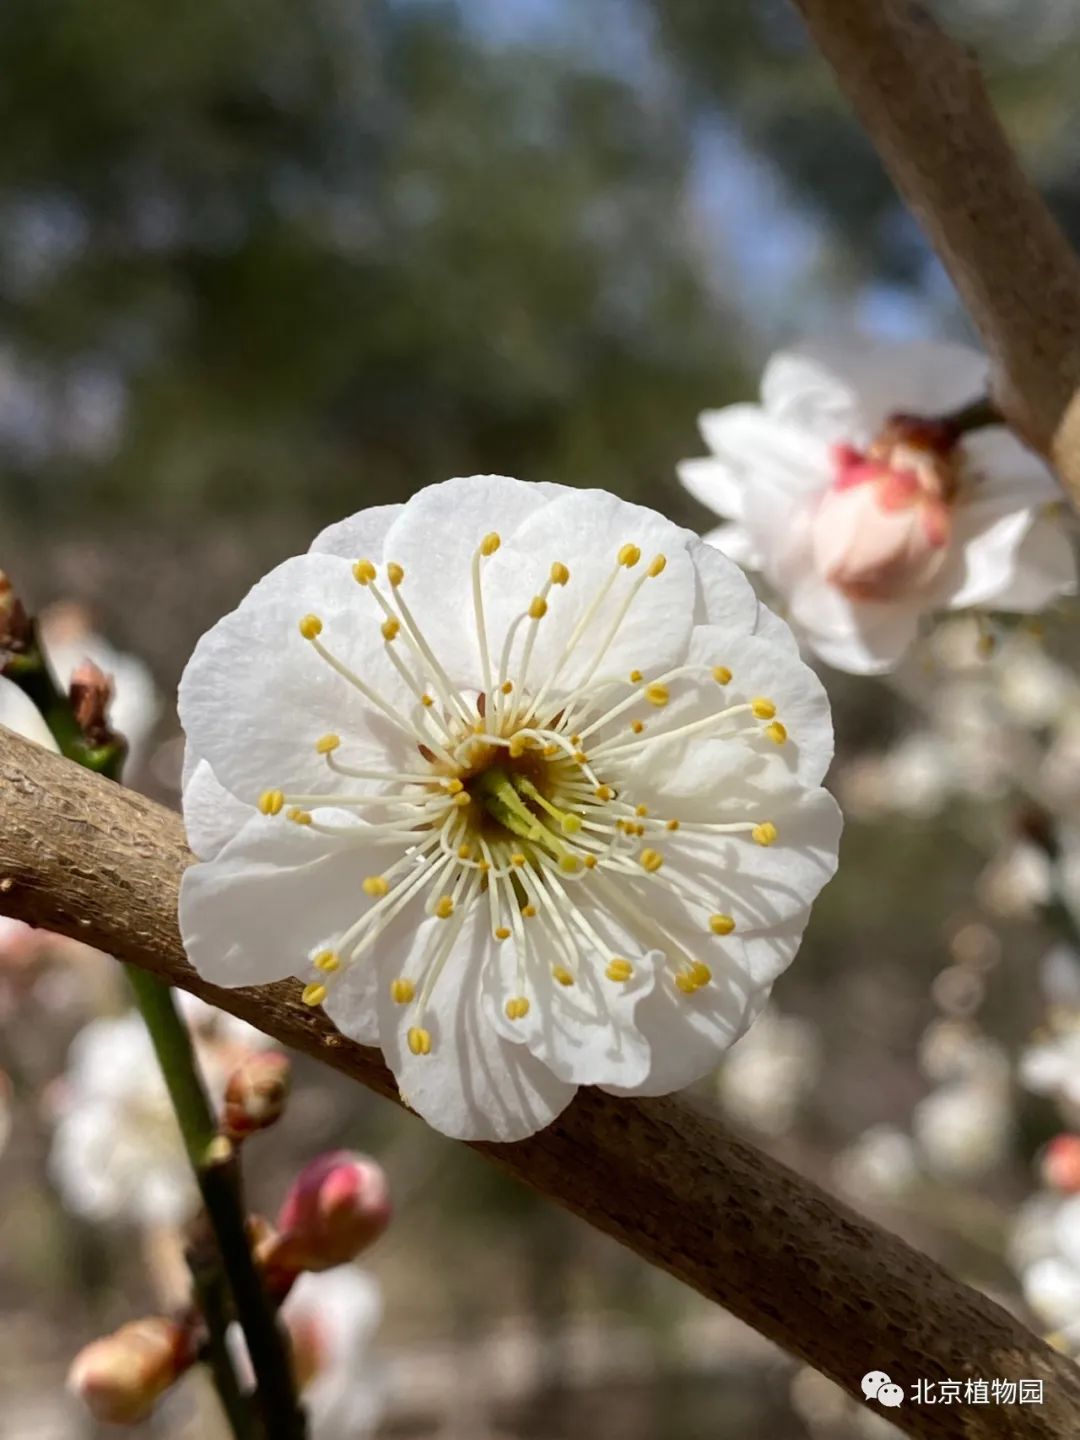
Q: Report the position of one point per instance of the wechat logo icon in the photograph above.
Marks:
(876, 1385)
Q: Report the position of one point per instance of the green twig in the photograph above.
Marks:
(233, 1284)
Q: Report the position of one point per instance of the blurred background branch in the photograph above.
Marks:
(921, 97)
(87, 859)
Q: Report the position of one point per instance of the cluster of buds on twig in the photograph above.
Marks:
(78, 717)
(335, 1208)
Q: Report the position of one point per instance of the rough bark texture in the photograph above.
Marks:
(86, 858)
(921, 99)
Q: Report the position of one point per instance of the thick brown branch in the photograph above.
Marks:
(922, 100)
(86, 858)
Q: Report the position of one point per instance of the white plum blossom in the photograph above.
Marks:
(331, 1319)
(523, 783)
(1045, 1250)
(768, 1074)
(117, 1152)
(865, 517)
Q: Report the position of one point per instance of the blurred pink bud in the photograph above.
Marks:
(121, 1377)
(256, 1093)
(1060, 1164)
(337, 1206)
(884, 525)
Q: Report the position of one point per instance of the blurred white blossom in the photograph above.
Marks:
(770, 1071)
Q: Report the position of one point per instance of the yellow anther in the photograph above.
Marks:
(394, 573)
(550, 750)
(375, 886)
(575, 740)
(629, 555)
(559, 573)
(390, 628)
(651, 860)
(271, 801)
(507, 687)
(685, 983)
(657, 566)
(700, 974)
(589, 862)
(721, 924)
(562, 975)
(490, 544)
(483, 866)
(310, 627)
(619, 970)
(402, 990)
(537, 607)
(517, 858)
(570, 823)
(672, 825)
(298, 816)
(453, 786)
(604, 792)
(502, 933)
(776, 732)
(657, 694)
(464, 852)
(763, 709)
(529, 911)
(635, 677)
(427, 700)
(444, 907)
(569, 864)
(721, 674)
(327, 744)
(637, 726)
(327, 961)
(641, 810)
(313, 994)
(517, 1008)
(419, 1040)
(462, 799)
(516, 748)
(364, 572)
(581, 757)
(765, 833)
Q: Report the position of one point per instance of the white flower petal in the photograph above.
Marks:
(585, 1033)
(1004, 469)
(724, 595)
(212, 814)
(1044, 568)
(754, 444)
(983, 556)
(776, 630)
(714, 484)
(736, 543)
(799, 388)
(473, 1085)
(273, 895)
(19, 713)
(360, 537)
(255, 662)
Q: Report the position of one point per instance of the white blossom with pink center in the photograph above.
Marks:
(864, 517)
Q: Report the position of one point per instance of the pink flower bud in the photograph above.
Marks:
(256, 1093)
(337, 1206)
(1060, 1164)
(91, 693)
(884, 525)
(121, 1377)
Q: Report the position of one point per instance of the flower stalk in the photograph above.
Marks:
(227, 1283)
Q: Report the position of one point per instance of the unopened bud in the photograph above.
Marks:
(337, 1206)
(16, 631)
(120, 1378)
(1060, 1164)
(256, 1093)
(91, 694)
